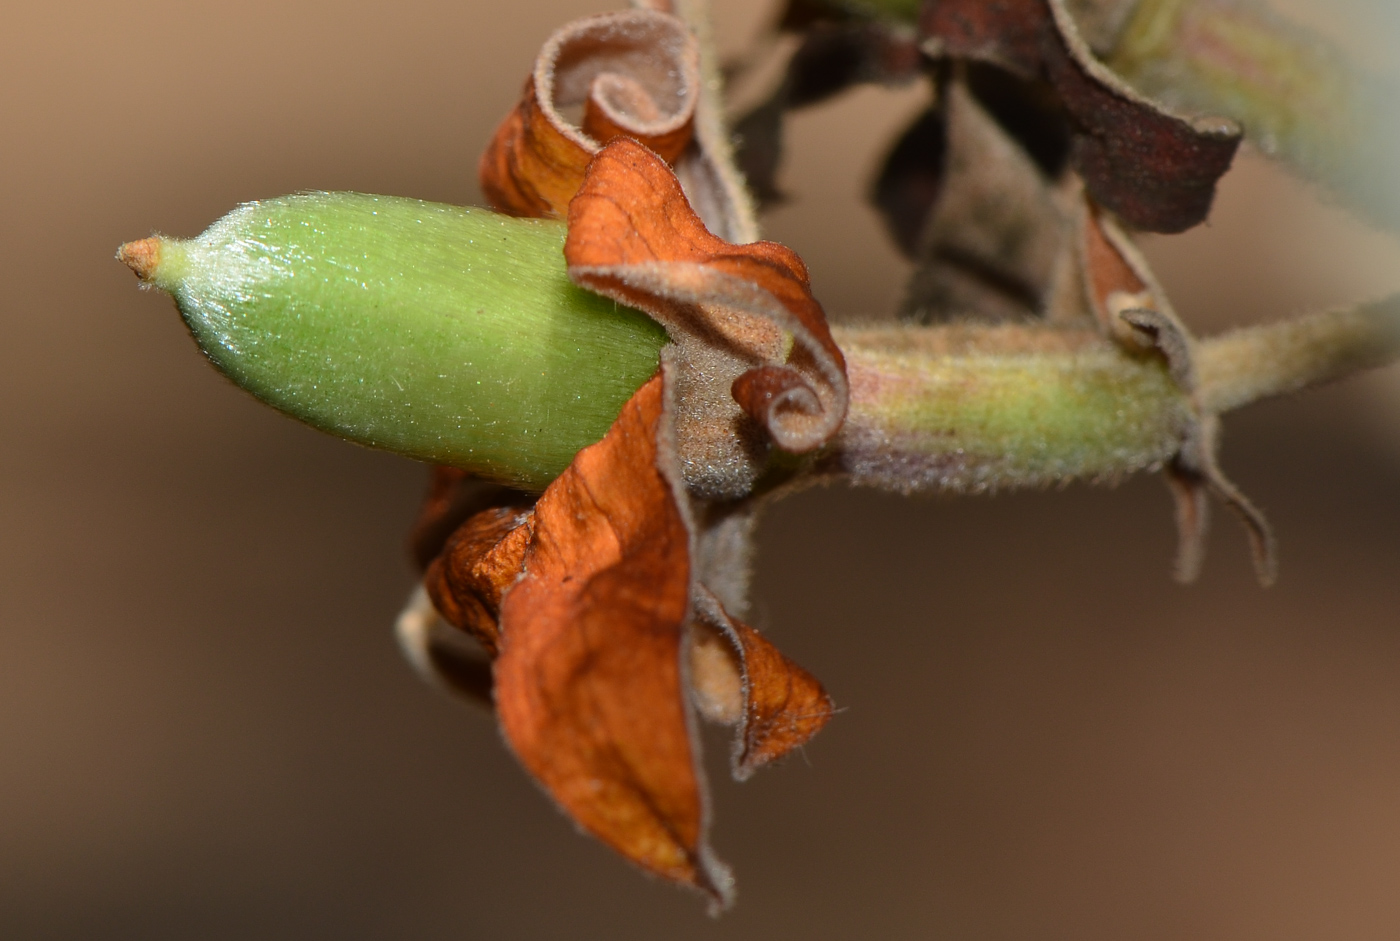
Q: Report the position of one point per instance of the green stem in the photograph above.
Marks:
(973, 408)
(1254, 363)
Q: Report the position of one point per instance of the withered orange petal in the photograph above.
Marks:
(635, 72)
(589, 683)
(784, 705)
(635, 238)
(480, 561)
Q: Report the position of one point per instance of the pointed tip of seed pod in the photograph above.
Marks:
(141, 256)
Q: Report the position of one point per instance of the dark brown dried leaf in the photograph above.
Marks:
(1156, 170)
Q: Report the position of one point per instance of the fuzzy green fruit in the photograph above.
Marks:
(448, 334)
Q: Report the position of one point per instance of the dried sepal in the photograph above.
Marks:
(1155, 170)
(1195, 471)
(636, 73)
(752, 343)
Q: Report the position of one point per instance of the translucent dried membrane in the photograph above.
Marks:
(447, 334)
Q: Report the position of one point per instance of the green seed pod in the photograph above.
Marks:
(450, 335)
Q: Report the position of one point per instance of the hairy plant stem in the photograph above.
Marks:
(974, 408)
(1254, 363)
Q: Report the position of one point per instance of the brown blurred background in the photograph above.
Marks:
(206, 731)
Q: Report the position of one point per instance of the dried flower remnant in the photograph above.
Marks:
(610, 402)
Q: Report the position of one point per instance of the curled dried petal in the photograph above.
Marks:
(636, 73)
(743, 317)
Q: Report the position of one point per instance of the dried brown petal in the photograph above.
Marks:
(589, 682)
(480, 561)
(1155, 170)
(636, 73)
(743, 317)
